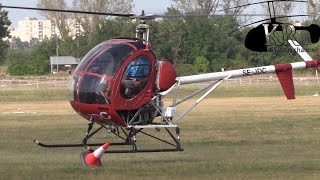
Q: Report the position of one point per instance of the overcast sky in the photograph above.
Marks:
(150, 6)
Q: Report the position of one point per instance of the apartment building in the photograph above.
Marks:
(31, 29)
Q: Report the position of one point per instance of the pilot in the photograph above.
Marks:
(136, 76)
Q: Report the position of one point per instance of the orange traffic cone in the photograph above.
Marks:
(92, 159)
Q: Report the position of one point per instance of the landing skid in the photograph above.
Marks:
(129, 137)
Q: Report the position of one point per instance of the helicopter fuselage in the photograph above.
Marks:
(115, 79)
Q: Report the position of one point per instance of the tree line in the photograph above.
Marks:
(192, 44)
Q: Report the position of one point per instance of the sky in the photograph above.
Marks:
(150, 7)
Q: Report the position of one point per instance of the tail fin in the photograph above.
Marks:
(286, 81)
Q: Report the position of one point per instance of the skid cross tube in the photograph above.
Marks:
(132, 138)
(157, 138)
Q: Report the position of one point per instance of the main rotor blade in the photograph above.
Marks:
(280, 17)
(148, 16)
(68, 11)
(262, 2)
(126, 15)
(202, 15)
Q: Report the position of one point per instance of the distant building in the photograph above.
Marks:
(56, 61)
(31, 29)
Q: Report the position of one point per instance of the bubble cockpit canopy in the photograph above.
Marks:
(92, 80)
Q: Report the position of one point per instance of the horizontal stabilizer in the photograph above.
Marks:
(286, 81)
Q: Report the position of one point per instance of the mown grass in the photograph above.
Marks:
(236, 137)
(32, 94)
(60, 93)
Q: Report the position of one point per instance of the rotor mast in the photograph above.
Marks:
(142, 29)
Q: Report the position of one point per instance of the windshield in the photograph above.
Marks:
(105, 60)
(93, 78)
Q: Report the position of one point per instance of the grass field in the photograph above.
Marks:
(251, 133)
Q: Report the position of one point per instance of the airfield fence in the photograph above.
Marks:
(33, 83)
(244, 81)
(253, 81)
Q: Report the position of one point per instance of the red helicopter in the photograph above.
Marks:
(120, 85)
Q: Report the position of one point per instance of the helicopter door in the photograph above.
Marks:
(136, 83)
(135, 78)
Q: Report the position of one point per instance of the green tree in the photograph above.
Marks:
(19, 45)
(19, 69)
(201, 64)
(16, 56)
(35, 62)
(4, 24)
(185, 69)
(216, 39)
(40, 56)
(39, 65)
(18, 62)
(168, 38)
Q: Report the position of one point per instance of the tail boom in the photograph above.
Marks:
(247, 72)
(283, 71)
